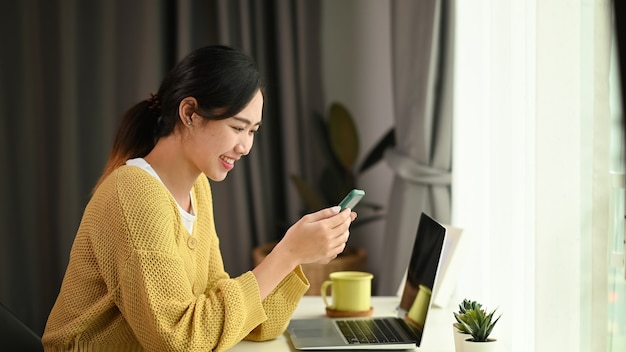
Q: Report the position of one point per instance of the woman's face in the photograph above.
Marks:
(216, 145)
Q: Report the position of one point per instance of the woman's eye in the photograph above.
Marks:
(243, 129)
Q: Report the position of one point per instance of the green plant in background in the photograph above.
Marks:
(477, 322)
(341, 148)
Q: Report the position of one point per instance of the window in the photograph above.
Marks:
(532, 172)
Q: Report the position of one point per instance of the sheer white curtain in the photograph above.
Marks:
(530, 79)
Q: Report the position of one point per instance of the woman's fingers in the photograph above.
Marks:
(319, 237)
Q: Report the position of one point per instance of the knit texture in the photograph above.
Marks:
(138, 281)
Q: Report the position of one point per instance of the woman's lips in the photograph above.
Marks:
(228, 163)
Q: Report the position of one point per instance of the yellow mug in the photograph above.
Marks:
(351, 291)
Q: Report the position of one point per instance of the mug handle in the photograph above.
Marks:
(323, 290)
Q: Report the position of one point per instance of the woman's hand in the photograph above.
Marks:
(317, 237)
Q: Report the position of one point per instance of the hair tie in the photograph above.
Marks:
(155, 103)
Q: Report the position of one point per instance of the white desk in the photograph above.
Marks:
(437, 334)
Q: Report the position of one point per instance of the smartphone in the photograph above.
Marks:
(352, 199)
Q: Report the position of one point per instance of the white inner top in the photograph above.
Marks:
(187, 218)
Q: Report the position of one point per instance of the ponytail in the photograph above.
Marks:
(136, 135)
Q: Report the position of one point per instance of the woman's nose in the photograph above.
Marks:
(244, 146)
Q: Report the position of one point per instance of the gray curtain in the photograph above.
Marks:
(285, 42)
(68, 71)
(421, 159)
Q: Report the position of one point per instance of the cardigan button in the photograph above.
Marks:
(192, 242)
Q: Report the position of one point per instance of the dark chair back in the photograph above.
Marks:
(15, 334)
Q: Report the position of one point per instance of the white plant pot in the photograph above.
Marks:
(459, 338)
(492, 345)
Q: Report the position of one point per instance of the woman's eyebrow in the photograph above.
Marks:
(245, 120)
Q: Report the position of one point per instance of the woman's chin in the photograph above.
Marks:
(217, 178)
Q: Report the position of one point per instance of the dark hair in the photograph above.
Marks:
(223, 81)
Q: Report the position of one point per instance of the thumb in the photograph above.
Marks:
(324, 213)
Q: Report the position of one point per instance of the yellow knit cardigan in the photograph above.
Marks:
(138, 281)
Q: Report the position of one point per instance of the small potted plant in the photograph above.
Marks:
(459, 330)
(473, 327)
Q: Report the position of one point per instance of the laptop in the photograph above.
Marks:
(400, 332)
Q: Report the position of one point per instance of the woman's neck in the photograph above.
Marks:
(173, 170)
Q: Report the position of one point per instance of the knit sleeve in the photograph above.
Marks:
(280, 305)
(176, 296)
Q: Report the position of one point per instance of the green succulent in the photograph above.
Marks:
(460, 320)
(468, 305)
(464, 306)
(476, 322)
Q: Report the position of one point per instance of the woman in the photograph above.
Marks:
(145, 270)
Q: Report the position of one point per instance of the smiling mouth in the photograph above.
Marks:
(228, 160)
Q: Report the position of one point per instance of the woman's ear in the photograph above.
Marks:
(186, 109)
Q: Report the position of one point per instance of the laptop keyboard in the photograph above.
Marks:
(359, 331)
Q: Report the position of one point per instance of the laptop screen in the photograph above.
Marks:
(420, 279)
